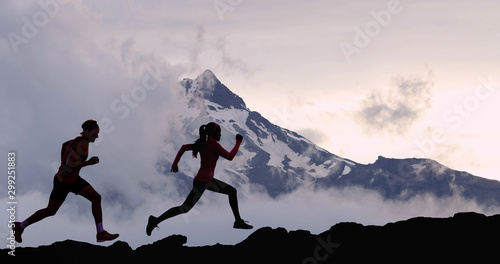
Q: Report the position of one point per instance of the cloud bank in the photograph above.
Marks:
(210, 221)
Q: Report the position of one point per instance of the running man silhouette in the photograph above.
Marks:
(74, 155)
(210, 150)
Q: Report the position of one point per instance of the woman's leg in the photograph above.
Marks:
(222, 187)
(191, 200)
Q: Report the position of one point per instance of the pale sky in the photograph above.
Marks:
(359, 78)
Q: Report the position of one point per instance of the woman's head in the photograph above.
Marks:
(209, 130)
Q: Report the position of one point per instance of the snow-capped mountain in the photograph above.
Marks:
(277, 160)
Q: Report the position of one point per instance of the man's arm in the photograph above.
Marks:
(74, 155)
(73, 162)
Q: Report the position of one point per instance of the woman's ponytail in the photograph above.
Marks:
(203, 138)
(203, 132)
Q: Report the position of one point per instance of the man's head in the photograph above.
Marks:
(90, 130)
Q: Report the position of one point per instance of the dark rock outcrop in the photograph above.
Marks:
(463, 237)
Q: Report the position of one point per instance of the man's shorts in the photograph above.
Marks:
(61, 190)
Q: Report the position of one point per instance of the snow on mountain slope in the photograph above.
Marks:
(275, 158)
(278, 161)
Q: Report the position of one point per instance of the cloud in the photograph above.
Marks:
(395, 111)
(314, 135)
(231, 63)
(210, 50)
(210, 221)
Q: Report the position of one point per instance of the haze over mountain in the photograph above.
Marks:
(276, 160)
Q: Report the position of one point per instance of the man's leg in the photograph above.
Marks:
(95, 198)
(50, 210)
(57, 197)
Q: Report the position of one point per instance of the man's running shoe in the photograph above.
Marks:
(152, 224)
(105, 236)
(18, 231)
(242, 224)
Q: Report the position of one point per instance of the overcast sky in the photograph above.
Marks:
(359, 78)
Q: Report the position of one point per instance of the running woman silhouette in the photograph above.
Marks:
(74, 155)
(210, 150)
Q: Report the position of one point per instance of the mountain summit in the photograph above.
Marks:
(207, 86)
(278, 161)
(271, 158)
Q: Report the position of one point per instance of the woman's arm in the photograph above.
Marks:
(179, 155)
(230, 155)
